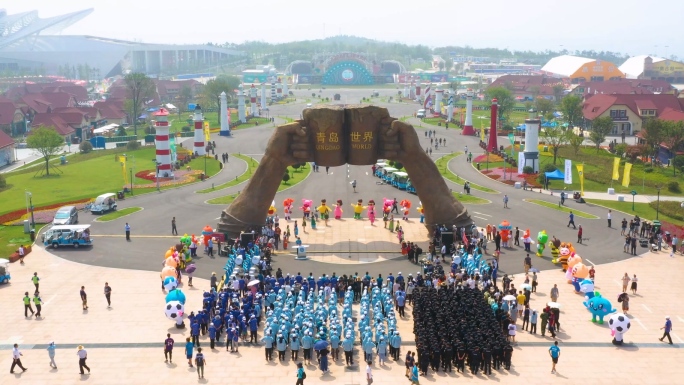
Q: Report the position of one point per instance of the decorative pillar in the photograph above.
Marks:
(412, 91)
(254, 111)
(468, 125)
(439, 94)
(531, 151)
(450, 105)
(407, 93)
(493, 145)
(273, 89)
(241, 105)
(225, 121)
(163, 151)
(279, 88)
(263, 95)
(286, 92)
(199, 146)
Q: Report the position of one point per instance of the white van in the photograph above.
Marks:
(67, 215)
(420, 114)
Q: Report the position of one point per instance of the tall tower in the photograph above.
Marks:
(254, 111)
(241, 105)
(225, 123)
(263, 95)
(279, 88)
(493, 144)
(439, 95)
(468, 125)
(163, 151)
(531, 151)
(198, 145)
(286, 92)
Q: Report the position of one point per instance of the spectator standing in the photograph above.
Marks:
(201, 362)
(369, 373)
(634, 284)
(579, 235)
(505, 201)
(533, 322)
(127, 229)
(22, 254)
(554, 293)
(301, 375)
(168, 348)
(36, 281)
(27, 305)
(571, 220)
(51, 354)
(625, 282)
(188, 349)
(174, 231)
(609, 217)
(16, 359)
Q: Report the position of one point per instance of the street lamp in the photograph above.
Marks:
(658, 203)
(30, 199)
(157, 175)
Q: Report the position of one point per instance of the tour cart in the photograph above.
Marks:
(4, 271)
(104, 203)
(400, 180)
(67, 235)
(387, 174)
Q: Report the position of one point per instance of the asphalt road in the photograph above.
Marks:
(151, 228)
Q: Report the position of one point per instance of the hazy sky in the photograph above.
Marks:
(627, 26)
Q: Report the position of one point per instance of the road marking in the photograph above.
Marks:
(680, 319)
(642, 325)
(590, 261)
(48, 301)
(217, 218)
(646, 307)
(482, 214)
(677, 337)
(475, 216)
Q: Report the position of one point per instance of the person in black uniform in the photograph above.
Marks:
(447, 357)
(474, 360)
(507, 356)
(461, 359)
(487, 361)
(497, 355)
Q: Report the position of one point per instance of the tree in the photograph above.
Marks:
(600, 128)
(139, 89)
(211, 93)
(47, 142)
(286, 177)
(543, 106)
(571, 107)
(558, 92)
(448, 65)
(654, 134)
(184, 97)
(504, 98)
(674, 138)
(575, 141)
(555, 137)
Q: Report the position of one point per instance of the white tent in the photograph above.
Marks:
(105, 129)
(171, 106)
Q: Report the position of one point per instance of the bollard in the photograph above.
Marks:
(212, 186)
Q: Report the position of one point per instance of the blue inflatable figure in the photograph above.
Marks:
(599, 307)
(587, 287)
(576, 284)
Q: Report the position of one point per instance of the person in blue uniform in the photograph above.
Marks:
(268, 345)
(212, 335)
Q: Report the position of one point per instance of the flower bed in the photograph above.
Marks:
(19, 215)
(15, 256)
(492, 158)
(512, 176)
(182, 177)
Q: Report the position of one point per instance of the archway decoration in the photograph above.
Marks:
(348, 72)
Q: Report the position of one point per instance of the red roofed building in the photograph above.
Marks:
(79, 93)
(7, 153)
(112, 111)
(55, 121)
(624, 86)
(11, 119)
(528, 87)
(46, 101)
(629, 111)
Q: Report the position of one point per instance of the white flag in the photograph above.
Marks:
(521, 162)
(568, 171)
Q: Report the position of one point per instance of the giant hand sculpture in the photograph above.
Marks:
(332, 136)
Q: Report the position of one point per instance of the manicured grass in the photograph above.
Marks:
(118, 214)
(442, 165)
(252, 165)
(470, 199)
(224, 200)
(11, 237)
(296, 176)
(86, 176)
(564, 209)
(643, 210)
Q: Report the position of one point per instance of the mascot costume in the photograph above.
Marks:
(287, 208)
(421, 211)
(555, 252)
(587, 287)
(358, 208)
(579, 272)
(306, 207)
(324, 211)
(542, 238)
(371, 212)
(573, 260)
(599, 307)
(338, 209)
(505, 231)
(619, 325)
(272, 209)
(175, 307)
(405, 206)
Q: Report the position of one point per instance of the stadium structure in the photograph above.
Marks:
(28, 42)
(345, 68)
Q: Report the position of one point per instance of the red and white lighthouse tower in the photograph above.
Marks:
(198, 146)
(161, 127)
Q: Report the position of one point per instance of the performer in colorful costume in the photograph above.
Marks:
(563, 255)
(599, 307)
(287, 208)
(358, 208)
(587, 287)
(542, 238)
(324, 211)
(306, 207)
(338, 209)
(405, 206)
(421, 210)
(271, 210)
(371, 212)
(579, 272)
(619, 324)
(573, 259)
(505, 231)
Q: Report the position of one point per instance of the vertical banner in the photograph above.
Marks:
(521, 162)
(511, 138)
(625, 177)
(207, 132)
(568, 171)
(122, 159)
(482, 135)
(616, 168)
(580, 171)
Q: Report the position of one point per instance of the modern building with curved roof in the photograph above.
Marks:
(580, 69)
(27, 42)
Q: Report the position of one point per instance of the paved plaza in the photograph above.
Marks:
(125, 342)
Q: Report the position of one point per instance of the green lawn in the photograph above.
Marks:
(442, 165)
(86, 176)
(252, 165)
(11, 237)
(296, 176)
(643, 210)
(118, 214)
(564, 209)
(224, 200)
(470, 199)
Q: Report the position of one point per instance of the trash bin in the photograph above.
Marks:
(656, 226)
(202, 177)
(120, 195)
(27, 226)
(33, 235)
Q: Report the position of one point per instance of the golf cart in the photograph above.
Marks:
(4, 271)
(67, 235)
(104, 203)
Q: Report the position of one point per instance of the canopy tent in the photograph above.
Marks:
(521, 127)
(555, 175)
(549, 124)
(104, 129)
(170, 106)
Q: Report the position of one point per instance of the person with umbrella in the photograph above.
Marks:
(189, 269)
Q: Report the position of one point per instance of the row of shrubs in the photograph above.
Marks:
(672, 209)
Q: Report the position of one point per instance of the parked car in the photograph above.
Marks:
(67, 215)
(420, 114)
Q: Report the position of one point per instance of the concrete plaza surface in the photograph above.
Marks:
(125, 342)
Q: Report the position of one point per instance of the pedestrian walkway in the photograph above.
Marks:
(124, 342)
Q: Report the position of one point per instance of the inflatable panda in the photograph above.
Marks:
(619, 325)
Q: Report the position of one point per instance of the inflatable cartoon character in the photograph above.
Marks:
(586, 286)
(619, 324)
(371, 211)
(206, 233)
(580, 270)
(387, 205)
(405, 206)
(573, 259)
(338, 209)
(563, 255)
(505, 231)
(599, 307)
(526, 236)
(555, 252)
(306, 207)
(358, 208)
(542, 238)
(287, 208)
(272, 209)
(421, 211)
(324, 211)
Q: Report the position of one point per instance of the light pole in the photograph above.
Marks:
(157, 164)
(30, 199)
(658, 203)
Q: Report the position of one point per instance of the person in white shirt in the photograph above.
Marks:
(235, 284)
(82, 357)
(511, 331)
(369, 374)
(16, 359)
